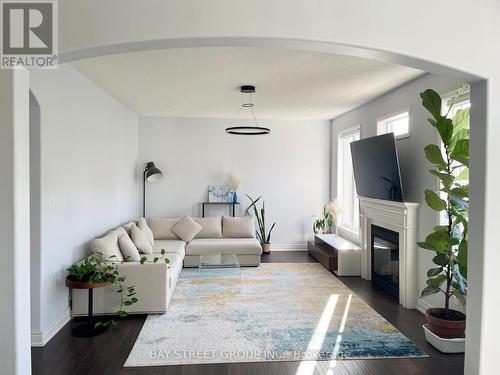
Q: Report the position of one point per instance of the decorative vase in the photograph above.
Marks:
(266, 248)
(446, 328)
(235, 197)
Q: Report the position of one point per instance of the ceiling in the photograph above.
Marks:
(204, 82)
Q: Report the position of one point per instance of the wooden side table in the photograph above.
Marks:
(87, 329)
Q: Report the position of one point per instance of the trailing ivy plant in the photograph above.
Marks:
(96, 269)
(451, 165)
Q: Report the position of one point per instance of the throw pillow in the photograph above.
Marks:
(238, 227)
(128, 227)
(107, 247)
(186, 228)
(141, 241)
(128, 249)
(143, 225)
(162, 228)
(211, 227)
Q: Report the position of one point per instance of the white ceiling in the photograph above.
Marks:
(204, 82)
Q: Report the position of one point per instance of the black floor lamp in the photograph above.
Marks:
(151, 174)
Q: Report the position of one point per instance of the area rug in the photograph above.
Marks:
(275, 312)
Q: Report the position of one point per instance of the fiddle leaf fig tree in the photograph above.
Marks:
(450, 165)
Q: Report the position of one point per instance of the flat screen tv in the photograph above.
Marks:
(376, 168)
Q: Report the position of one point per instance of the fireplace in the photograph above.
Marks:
(385, 259)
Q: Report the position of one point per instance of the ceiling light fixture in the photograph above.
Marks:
(247, 130)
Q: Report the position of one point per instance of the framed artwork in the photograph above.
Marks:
(220, 194)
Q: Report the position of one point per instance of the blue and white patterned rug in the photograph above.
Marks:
(275, 312)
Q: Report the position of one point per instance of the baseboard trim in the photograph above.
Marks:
(289, 247)
(40, 338)
(422, 306)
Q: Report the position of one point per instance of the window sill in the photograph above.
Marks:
(349, 235)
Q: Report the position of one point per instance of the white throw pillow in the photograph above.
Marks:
(186, 228)
(211, 227)
(141, 241)
(238, 227)
(128, 249)
(143, 225)
(128, 227)
(162, 228)
(107, 246)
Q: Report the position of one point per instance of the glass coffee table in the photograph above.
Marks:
(219, 260)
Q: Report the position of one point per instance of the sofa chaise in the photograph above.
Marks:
(184, 240)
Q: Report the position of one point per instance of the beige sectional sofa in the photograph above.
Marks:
(155, 282)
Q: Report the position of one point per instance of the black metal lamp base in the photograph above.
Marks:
(85, 330)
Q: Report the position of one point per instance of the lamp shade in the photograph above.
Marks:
(152, 173)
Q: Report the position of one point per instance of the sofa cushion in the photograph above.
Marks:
(128, 226)
(170, 246)
(143, 225)
(238, 227)
(175, 262)
(141, 241)
(211, 227)
(128, 249)
(243, 246)
(186, 228)
(162, 228)
(107, 246)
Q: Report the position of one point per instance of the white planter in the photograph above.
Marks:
(444, 345)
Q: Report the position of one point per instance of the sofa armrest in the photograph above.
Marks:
(151, 285)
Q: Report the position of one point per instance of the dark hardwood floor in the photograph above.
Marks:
(107, 353)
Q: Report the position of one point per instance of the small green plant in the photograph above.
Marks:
(329, 220)
(263, 236)
(451, 166)
(97, 269)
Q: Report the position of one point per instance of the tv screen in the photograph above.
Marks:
(376, 168)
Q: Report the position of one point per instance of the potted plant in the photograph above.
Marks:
(98, 269)
(263, 236)
(328, 222)
(448, 241)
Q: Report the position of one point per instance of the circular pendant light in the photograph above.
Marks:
(247, 130)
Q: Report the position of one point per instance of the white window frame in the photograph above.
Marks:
(382, 122)
(349, 231)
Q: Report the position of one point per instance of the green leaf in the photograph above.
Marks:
(464, 175)
(122, 313)
(461, 120)
(434, 155)
(426, 246)
(444, 127)
(155, 259)
(430, 290)
(461, 149)
(433, 200)
(162, 252)
(438, 240)
(434, 271)
(460, 192)
(445, 178)
(431, 100)
(143, 260)
(462, 258)
(440, 259)
(436, 281)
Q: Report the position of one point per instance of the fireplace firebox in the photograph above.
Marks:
(385, 259)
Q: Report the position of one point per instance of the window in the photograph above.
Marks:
(461, 102)
(346, 191)
(398, 124)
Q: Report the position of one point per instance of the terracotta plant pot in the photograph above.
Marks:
(446, 328)
(266, 248)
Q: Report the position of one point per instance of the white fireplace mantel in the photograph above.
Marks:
(400, 217)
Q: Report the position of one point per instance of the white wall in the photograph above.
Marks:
(414, 166)
(289, 168)
(88, 177)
